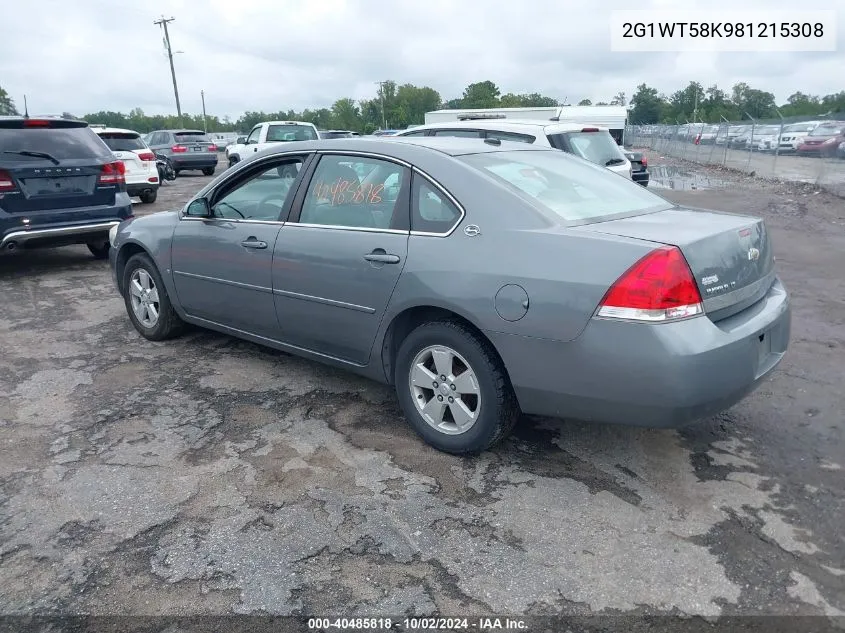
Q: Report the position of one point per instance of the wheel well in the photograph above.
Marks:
(405, 322)
(123, 256)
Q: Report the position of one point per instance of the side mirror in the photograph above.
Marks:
(199, 208)
(241, 140)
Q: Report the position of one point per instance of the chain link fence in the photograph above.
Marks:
(807, 150)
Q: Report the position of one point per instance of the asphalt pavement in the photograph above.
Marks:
(208, 475)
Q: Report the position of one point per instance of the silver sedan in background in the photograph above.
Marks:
(481, 278)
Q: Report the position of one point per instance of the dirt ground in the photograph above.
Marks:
(208, 476)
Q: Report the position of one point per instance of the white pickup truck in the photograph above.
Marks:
(269, 133)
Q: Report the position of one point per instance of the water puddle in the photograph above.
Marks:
(672, 177)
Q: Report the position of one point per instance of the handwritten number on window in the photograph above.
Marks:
(346, 192)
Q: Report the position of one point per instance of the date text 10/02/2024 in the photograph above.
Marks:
(418, 624)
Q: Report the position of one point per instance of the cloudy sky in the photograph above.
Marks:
(90, 55)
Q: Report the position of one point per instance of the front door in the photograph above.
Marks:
(338, 258)
(222, 265)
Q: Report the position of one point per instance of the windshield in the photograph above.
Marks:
(825, 130)
(122, 142)
(291, 132)
(569, 189)
(766, 130)
(596, 147)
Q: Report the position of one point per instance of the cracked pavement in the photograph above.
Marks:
(207, 475)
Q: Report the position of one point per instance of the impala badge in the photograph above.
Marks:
(471, 230)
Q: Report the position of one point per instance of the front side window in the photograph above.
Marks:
(253, 136)
(262, 196)
(353, 191)
(566, 189)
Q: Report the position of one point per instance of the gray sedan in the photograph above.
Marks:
(481, 278)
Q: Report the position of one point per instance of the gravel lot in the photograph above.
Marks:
(207, 475)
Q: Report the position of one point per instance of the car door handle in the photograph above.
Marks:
(253, 243)
(381, 257)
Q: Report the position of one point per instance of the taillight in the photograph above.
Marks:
(644, 161)
(212, 148)
(6, 182)
(589, 129)
(146, 156)
(112, 174)
(659, 287)
(35, 123)
(178, 149)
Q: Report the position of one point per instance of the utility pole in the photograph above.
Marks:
(163, 22)
(380, 85)
(204, 124)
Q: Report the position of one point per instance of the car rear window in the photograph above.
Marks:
(191, 137)
(571, 190)
(60, 143)
(291, 133)
(596, 147)
(118, 142)
(336, 134)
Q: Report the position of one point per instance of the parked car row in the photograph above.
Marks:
(808, 138)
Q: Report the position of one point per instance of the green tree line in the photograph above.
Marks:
(712, 105)
(397, 106)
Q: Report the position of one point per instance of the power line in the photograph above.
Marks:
(163, 22)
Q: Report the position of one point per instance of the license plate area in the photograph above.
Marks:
(197, 149)
(57, 186)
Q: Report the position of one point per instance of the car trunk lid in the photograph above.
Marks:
(194, 142)
(40, 187)
(730, 255)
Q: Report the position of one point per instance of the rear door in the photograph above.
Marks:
(340, 255)
(57, 172)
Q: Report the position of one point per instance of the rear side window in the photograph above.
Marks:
(60, 143)
(460, 133)
(122, 142)
(431, 210)
(511, 136)
(291, 133)
(191, 137)
(419, 133)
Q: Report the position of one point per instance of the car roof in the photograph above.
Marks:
(506, 125)
(113, 130)
(396, 145)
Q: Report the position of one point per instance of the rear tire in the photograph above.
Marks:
(149, 198)
(100, 251)
(471, 366)
(208, 171)
(147, 301)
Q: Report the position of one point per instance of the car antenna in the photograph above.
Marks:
(25, 108)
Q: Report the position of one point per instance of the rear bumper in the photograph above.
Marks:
(194, 161)
(137, 189)
(641, 177)
(654, 375)
(58, 235)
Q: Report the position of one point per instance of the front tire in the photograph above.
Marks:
(453, 388)
(233, 160)
(100, 251)
(147, 302)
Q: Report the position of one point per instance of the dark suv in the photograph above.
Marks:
(59, 185)
(186, 149)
